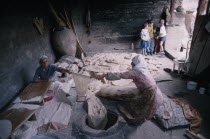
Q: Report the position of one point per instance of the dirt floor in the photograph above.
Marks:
(148, 130)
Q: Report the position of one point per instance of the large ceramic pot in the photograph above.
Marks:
(64, 41)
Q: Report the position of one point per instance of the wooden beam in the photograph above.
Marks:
(200, 56)
(74, 30)
(67, 20)
(39, 24)
(193, 135)
(172, 8)
(202, 7)
(208, 8)
(55, 15)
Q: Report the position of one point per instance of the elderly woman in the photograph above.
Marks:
(47, 72)
(144, 106)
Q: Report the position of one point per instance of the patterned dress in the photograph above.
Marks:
(145, 104)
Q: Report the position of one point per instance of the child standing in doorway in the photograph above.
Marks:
(151, 35)
(157, 40)
(144, 44)
(162, 36)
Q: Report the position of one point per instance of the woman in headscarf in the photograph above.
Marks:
(145, 104)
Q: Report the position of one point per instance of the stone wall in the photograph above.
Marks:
(21, 46)
(116, 23)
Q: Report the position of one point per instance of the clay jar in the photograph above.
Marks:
(64, 41)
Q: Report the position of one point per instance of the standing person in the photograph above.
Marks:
(144, 44)
(157, 40)
(162, 36)
(151, 35)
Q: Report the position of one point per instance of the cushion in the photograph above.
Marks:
(170, 115)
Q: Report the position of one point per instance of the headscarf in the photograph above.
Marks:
(140, 63)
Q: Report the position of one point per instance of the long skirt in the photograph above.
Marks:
(143, 107)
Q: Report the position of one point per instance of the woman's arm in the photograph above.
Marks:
(128, 75)
(114, 76)
(59, 69)
(65, 71)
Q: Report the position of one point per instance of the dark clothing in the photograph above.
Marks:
(157, 46)
(157, 41)
(47, 74)
(156, 32)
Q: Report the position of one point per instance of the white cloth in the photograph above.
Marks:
(59, 91)
(162, 31)
(145, 35)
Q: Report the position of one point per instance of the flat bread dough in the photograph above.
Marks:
(121, 82)
(124, 93)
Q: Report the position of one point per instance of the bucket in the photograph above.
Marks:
(191, 85)
(202, 90)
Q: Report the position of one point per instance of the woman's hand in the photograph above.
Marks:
(69, 72)
(100, 77)
(66, 71)
(97, 76)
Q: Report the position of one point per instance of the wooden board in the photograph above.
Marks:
(203, 63)
(34, 92)
(199, 50)
(18, 114)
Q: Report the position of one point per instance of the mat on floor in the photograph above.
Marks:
(170, 115)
